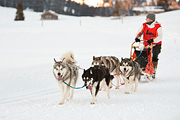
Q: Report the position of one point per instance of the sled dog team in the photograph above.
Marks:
(98, 76)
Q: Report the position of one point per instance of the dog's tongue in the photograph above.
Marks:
(59, 78)
(89, 87)
(124, 73)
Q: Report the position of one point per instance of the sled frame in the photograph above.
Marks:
(133, 47)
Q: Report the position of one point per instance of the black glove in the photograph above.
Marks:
(150, 41)
(137, 40)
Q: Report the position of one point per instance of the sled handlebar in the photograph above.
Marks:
(146, 47)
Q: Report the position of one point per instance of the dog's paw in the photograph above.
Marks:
(110, 85)
(61, 103)
(117, 87)
(127, 92)
(92, 102)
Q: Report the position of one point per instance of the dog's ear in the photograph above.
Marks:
(94, 57)
(63, 60)
(100, 58)
(131, 59)
(55, 60)
(90, 71)
(121, 58)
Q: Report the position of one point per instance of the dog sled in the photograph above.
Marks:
(143, 55)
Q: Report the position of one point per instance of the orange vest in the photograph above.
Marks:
(150, 32)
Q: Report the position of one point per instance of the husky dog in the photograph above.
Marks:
(131, 73)
(111, 62)
(92, 78)
(66, 70)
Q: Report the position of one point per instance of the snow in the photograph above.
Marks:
(29, 91)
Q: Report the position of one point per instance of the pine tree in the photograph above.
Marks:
(19, 13)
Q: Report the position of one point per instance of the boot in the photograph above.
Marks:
(155, 68)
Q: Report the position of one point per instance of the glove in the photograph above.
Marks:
(137, 40)
(150, 41)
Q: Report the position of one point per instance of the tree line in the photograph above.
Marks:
(59, 6)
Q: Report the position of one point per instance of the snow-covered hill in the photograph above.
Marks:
(28, 90)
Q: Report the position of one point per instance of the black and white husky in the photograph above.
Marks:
(131, 73)
(92, 78)
(111, 62)
(67, 71)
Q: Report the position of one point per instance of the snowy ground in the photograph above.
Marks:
(28, 90)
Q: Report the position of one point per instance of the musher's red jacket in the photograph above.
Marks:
(151, 31)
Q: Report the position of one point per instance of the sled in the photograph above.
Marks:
(143, 56)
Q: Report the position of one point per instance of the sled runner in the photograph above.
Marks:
(143, 55)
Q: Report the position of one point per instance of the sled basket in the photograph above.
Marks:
(144, 57)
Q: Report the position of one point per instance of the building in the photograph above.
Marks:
(49, 15)
(147, 9)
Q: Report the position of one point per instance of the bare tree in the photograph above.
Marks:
(116, 10)
(164, 4)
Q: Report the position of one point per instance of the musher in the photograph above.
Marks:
(151, 31)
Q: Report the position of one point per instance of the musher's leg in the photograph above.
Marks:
(156, 51)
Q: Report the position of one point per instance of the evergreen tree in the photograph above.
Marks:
(19, 13)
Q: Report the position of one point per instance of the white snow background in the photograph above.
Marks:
(29, 91)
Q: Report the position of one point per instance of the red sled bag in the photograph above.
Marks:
(149, 67)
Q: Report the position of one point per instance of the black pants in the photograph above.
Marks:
(156, 51)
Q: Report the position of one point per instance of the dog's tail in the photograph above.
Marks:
(68, 57)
